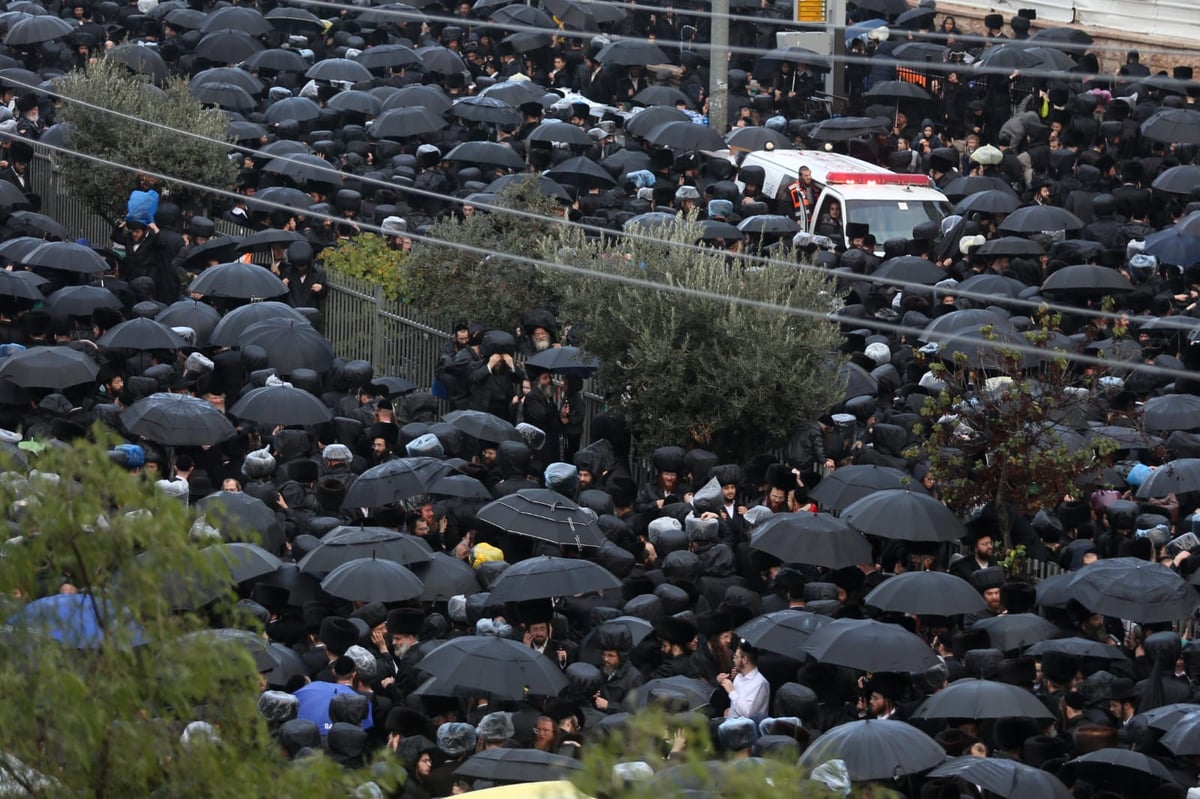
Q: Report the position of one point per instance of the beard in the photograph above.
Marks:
(400, 650)
(541, 344)
(608, 671)
(547, 391)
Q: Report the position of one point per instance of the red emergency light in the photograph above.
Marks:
(875, 179)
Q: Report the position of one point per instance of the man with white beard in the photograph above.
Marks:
(619, 677)
(541, 410)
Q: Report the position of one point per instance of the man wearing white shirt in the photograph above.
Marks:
(749, 692)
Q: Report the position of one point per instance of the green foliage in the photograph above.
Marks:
(107, 720)
(108, 84)
(1001, 433)
(701, 368)
(368, 257)
(493, 290)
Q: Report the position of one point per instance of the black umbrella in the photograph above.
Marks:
(545, 515)
(214, 252)
(544, 576)
(177, 420)
(1173, 126)
(283, 405)
(431, 97)
(485, 154)
(1077, 647)
(252, 643)
(341, 70)
(141, 334)
(1009, 57)
(1011, 246)
(388, 56)
(290, 345)
(1134, 589)
(1040, 218)
(560, 133)
(494, 667)
(1124, 437)
(695, 693)
(637, 627)
(1171, 412)
(1016, 630)
(246, 561)
(237, 18)
(31, 223)
(527, 41)
(517, 765)
(956, 323)
(1124, 766)
(816, 539)
(1174, 477)
(648, 119)
(230, 76)
(988, 202)
(969, 185)
(518, 92)
(357, 102)
(904, 515)
(238, 280)
(1178, 179)
(48, 367)
(565, 361)
(529, 16)
(921, 52)
(302, 169)
(445, 576)
(844, 128)
(66, 256)
(228, 332)
(344, 544)
(1087, 280)
(441, 60)
(1184, 737)
(662, 95)
(401, 123)
(395, 481)
(583, 15)
(870, 646)
(461, 486)
(783, 632)
(583, 173)
(769, 62)
(858, 381)
(483, 426)
(185, 19)
(264, 240)
(926, 594)
(685, 136)
(232, 511)
(970, 698)
(910, 269)
(11, 285)
(36, 30)
(769, 225)
(242, 131)
(228, 46)
(286, 196)
(393, 386)
(80, 301)
(897, 90)
(372, 580)
(13, 197)
(757, 138)
(998, 286)
(1173, 246)
(850, 483)
(875, 749)
(1165, 717)
(631, 52)
(294, 20)
(1003, 777)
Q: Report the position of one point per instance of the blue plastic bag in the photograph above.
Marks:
(142, 206)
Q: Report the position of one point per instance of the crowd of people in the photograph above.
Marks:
(704, 619)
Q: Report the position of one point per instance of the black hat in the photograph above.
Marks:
(993, 22)
(889, 686)
(991, 577)
(408, 722)
(781, 477)
(1059, 667)
(676, 631)
(613, 637)
(964, 641)
(303, 471)
(405, 621)
(857, 230)
(668, 459)
(715, 623)
(1018, 597)
(1019, 23)
(1183, 72)
(272, 597)
(26, 102)
(374, 614)
(338, 634)
(1027, 13)
(535, 611)
(1021, 672)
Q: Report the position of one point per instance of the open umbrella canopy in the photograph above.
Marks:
(1078, 647)
(37, 29)
(1184, 736)
(783, 632)
(685, 136)
(238, 280)
(1173, 246)
(246, 561)
(544, 576)
(290, 345)
(228, 331)
(372, 580)
(395, 481)
(545, 515)
(48, 368)
(870, 646)
(1133, 589)
(486, 153)
(875, 749)
(845, 128)
(1016, 630)
(581, 172)
(228, 46)
(80, 301)
(769, 62)
(1122, 766)
(344, 544)
(401, 123)
(177, 420)
(1170, 412)
(926, 594)
(850, 483)
(77, 620)
(982, 699)
(284, 405)
(483, 426)
(445, 576)
(356, 102)
(815, 539)
(1178, 179)
(693, 692)
(559, 133)
(66, 256)
(990, 202)
(1087, 280)
(1173, 126)
(493, 667)
(235, 510)
(1011, 779)
(904, 515)
(338, 70)
(141, 334)
(1174, 477)
(631, 52)
(237, 18)
(998, 286)
(565, 361)
(388, 56)
(516, 765)
(662, 95)
(897, 90)
(910, 269)
(644, 121)
(1040, 219)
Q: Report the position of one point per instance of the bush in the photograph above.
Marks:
(368, 257)
(133, 143)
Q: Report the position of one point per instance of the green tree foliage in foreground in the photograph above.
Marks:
(103, 715)
(1002, 430)
(701, 368)
(495, 289)
(369, 258)
(108, 84)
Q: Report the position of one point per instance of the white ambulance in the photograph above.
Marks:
(890, 204)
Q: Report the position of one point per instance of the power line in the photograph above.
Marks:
(644, 283)
(1033, 306)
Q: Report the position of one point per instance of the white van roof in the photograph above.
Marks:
(853, 176)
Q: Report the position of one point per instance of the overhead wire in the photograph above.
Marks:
(1004, 347)
(1032, 305)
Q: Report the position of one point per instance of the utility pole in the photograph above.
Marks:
(835, 11)
(718, 68)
